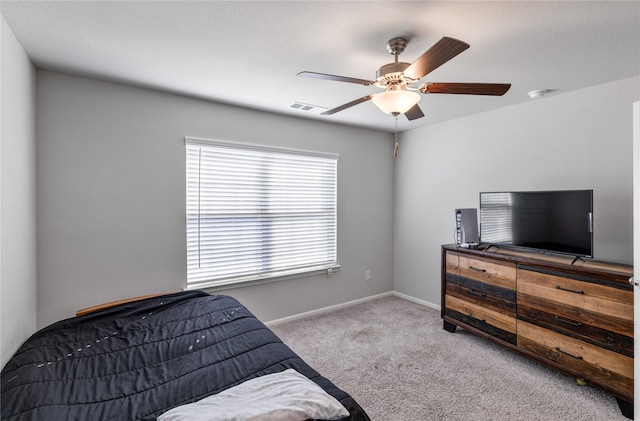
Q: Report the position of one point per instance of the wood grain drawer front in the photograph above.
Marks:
(482, 318)
(582, 302)
(484, 270)
(496, 299)
(595, 364)
(576, 322)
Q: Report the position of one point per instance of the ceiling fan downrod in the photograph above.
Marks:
(392, 73)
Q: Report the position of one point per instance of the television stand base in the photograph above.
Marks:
(577, 258)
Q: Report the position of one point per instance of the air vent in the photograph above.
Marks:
(313, 109)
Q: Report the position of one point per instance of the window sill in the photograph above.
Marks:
(217, 286)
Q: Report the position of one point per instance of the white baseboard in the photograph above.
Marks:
(326, 309)
(349, 304)
(416, 300)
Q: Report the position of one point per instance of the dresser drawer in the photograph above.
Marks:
(596, 313)
(595, 364)
(497, 324)
(488, 271)
(482, 283)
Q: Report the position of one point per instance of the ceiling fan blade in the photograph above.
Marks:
(348, 105)
(496, 89)
(325, 76)
(441, 52)
(414, 113)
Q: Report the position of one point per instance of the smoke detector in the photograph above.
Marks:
(539, 93)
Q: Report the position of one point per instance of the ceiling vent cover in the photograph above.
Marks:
(313, 109)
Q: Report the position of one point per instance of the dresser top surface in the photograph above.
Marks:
(547, 259)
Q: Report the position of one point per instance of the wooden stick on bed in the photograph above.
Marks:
(110, 304)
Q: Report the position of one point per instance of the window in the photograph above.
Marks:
(257, 212)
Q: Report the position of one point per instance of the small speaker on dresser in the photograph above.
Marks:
(467, 227)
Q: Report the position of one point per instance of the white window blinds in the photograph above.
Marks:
(256, 212)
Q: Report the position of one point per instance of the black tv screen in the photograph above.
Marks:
(552, 221)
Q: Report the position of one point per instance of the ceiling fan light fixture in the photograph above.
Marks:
(394, 101)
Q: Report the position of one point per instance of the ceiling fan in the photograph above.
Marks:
(400, 80)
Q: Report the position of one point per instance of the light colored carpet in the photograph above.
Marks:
(396, 360)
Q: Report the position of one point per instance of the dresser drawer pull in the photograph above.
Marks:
(569, 322)
(575, 291)
(476, 269)
(476, 293)
(577, 357)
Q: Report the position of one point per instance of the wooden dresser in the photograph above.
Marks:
(576, 317)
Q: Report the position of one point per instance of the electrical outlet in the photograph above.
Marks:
(367, 275)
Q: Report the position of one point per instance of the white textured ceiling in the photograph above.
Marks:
(248, 53)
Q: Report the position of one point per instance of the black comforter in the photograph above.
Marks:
(138, 360)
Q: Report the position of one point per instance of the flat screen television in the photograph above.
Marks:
(558, 221)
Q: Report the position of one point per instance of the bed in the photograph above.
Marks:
(152, 358)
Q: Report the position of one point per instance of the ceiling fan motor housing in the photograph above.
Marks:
(391, 74)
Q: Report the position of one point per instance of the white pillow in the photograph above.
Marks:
(284, 396)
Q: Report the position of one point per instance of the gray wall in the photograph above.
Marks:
(576, 140)
(111, 178)
(111, 197)
(17, 196)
